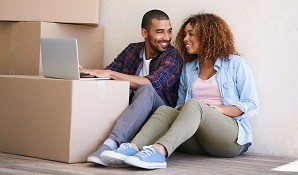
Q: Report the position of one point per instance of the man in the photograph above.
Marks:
(153, 68)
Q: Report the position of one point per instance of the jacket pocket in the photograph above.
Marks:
(229, 89)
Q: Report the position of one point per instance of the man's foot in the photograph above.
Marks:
(95, 157)
(148, 158)
(118, 156)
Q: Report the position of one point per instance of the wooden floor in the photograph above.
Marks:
(178, 164)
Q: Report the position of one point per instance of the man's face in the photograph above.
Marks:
(159, 35)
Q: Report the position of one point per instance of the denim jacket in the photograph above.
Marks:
(236, 85)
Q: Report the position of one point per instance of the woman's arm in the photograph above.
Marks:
(247, 100)
(243, 102)
(229, 110)
(182, 90)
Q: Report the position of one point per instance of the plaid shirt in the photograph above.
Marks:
(164, 70)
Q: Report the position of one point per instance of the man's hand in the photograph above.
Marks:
(180, 107)
(96, 72)
(81, 68)
(135, 81)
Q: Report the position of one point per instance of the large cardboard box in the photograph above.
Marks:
(61, 120)
(62, 11)
(20, 45)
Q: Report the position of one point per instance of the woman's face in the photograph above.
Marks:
(191, 40)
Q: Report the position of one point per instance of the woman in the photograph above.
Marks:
(217, 97)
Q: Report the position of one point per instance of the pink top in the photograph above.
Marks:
(207, 91)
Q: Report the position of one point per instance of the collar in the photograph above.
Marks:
(218, 64)
(142, 53)
(195, 64)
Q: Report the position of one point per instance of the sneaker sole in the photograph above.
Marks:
(134, 161)
(113, 159)
(96, 161)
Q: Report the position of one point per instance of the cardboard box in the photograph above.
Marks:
(61, 120)
(62, 11)
(20, 45)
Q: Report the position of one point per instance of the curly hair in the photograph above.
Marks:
(214, 36)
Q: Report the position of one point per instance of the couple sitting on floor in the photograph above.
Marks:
(201, 107)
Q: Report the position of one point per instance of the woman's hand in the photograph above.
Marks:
(228, 110)
(217, 107)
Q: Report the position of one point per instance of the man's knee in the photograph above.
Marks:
(146, 88)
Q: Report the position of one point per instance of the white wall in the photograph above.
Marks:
(266, 33)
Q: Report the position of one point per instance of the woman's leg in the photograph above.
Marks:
(218, 134)
(192, 146)
(156, 126)
(215, 132)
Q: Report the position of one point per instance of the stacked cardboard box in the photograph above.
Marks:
(35, 19)
(61, 11)
(62, 120)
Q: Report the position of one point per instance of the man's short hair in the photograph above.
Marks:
(153, 14)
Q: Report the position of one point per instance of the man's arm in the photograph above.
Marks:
(135, 81)
(115, 69)
(167, 73)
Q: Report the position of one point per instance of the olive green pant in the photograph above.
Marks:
(196, 129)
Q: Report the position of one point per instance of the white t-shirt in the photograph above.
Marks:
(146, 64)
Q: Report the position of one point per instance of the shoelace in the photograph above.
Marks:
(124, 146)
(147, 151)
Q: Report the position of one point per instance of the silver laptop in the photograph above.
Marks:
(60, 59)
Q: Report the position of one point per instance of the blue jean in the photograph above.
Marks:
(143, 104)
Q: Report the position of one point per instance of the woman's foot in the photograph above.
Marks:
(118, 156)
(148, 158)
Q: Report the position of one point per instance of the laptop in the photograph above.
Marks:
(60, 59)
